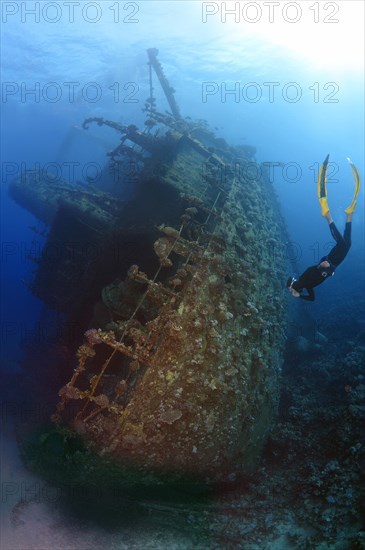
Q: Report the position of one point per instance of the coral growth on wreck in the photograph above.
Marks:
(185, 374)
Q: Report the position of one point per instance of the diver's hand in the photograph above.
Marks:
(294, 293)
(324, 264)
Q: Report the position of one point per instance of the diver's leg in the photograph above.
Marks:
(335, 233)
(339, 251)
(342, 246)
(328, 217)
(340, 240)
(347, 232)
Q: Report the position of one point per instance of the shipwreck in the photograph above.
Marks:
(179, 296)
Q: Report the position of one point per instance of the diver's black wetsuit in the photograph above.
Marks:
(315, 275)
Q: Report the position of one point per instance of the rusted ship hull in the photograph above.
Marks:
(210, 359)
(180, 368)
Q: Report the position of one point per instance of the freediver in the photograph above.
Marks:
(317, 274)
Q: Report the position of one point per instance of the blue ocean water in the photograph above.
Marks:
(284, 77)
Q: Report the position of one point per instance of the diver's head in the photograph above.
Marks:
(290, 285)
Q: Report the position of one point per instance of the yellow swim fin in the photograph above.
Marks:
(322, 187)
(350, 209)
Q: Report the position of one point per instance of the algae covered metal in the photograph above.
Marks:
(180, 364)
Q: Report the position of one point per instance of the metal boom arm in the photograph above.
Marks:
(168, 90)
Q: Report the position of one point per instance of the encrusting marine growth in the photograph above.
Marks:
(180, 366)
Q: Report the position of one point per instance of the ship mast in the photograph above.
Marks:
(167, 89)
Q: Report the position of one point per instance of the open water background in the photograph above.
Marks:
(287, 79)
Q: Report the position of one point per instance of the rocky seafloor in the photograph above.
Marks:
(306, 493)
